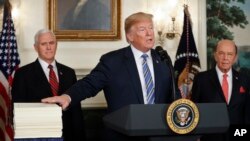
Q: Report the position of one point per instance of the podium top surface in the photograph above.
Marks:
(149, 120)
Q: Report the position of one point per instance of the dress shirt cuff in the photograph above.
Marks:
(69, 98)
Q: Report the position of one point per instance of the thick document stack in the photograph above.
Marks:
(37, 120)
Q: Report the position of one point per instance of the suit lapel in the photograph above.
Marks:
(235, 86)
(42, 77)
(60, 78)
(216, 84)
(133, 72)
(156, 64)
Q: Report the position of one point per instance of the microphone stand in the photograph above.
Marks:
(167, 60)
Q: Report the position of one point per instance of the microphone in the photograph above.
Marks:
(165, 57)
(163, 54)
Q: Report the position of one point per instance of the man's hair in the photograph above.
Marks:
(42, 31)
(135, 18)
(219, 42)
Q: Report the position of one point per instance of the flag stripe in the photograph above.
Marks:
(4, 95)
(2, 115)
(9, 61)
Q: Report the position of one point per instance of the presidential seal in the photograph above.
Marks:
(182, 116)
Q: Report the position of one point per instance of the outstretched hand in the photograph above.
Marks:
(63, 100)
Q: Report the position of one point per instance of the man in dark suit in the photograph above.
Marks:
(31, 83)
(120, 74)
(211, 87)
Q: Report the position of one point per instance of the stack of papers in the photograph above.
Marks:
(37, 120)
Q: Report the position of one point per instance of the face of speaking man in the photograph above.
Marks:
(141, 35)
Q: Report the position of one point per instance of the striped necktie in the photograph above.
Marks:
(148, 80)
(53, 81)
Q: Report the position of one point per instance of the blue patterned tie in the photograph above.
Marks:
(148, 80)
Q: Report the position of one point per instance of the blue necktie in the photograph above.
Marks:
(148, 80)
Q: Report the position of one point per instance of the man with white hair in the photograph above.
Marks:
(46, 77)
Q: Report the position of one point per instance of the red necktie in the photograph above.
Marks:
(225, 87)
(53, 81)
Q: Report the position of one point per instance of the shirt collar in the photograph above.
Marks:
(137, 53)
(45, 64)
(220, 73)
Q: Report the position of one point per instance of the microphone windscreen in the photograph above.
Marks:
(163, 53)
(159, 49)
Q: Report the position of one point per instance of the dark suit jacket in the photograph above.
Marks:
(207, 89)
(117, 75)
(31, 85)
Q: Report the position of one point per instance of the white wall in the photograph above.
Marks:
(84, 55)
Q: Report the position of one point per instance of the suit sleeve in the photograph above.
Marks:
(195, 89)
(18, 87)
(90, 85)
(247, 108)
(247, 111)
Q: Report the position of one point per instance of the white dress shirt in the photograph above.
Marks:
(138, 59)
(46, 69)
(229, 80)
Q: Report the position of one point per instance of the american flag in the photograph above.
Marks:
(187, 63)
(9, 61)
